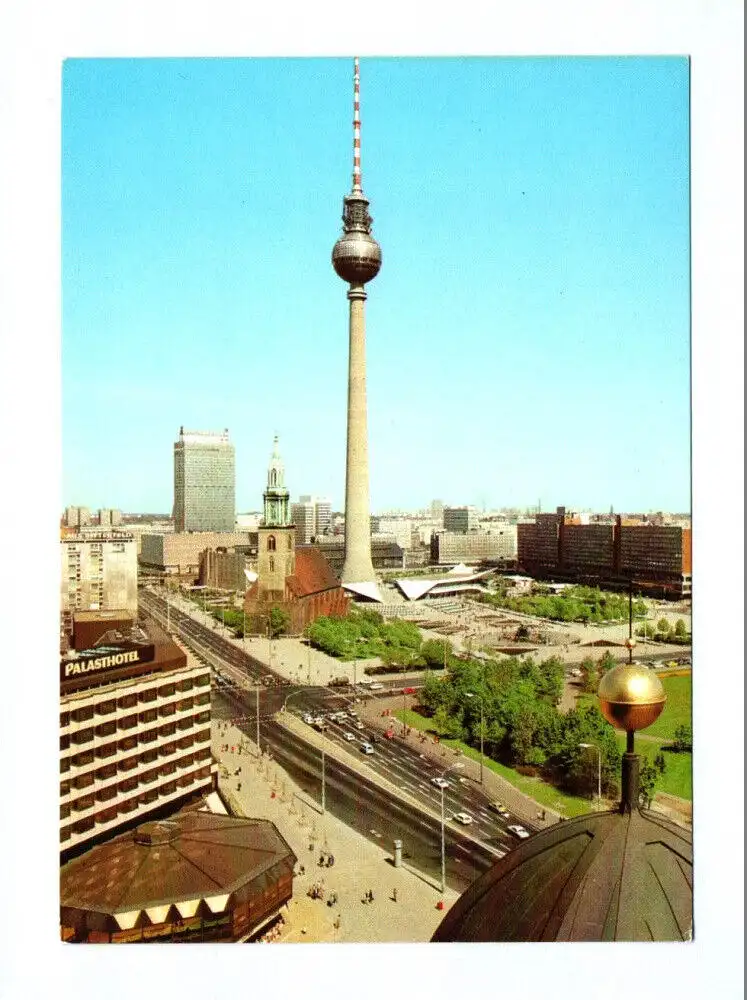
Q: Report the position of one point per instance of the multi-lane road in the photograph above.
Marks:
(350, 795)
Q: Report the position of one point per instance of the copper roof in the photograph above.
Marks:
(313, 573)
(609, 876)
(191, 855)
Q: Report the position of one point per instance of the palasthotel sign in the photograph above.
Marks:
(104, 659)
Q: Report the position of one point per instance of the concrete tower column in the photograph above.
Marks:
(358, 567)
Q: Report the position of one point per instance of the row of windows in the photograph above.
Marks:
(86, 712)
(146, 797)
(87, 757)
(104, 729)
(83, 781)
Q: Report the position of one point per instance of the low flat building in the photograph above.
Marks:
(194, 877)
(178, 554)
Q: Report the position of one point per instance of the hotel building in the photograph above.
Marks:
(134, 734)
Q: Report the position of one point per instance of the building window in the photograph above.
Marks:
(166, 710)
(271, 543)
(166, 691)
(82, 714)
(128, 701)
(184, 704)
(106, 728)
(64, 742)
(64, 719)
(83, 759)
(168, 730)
(147, 696)
(150, 716)
(106, 707)
(272, 565)
(129, 743)
(128, 722)
(148, 757)
(185, 685)
(109, 771)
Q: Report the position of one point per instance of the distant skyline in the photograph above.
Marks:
(527, 337)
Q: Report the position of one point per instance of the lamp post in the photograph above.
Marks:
(452, 767)
(593, 746)
(323, 794)
(256, 691)
(471, 694)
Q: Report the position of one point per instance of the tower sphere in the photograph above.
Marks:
(631, 697)
(356, 257)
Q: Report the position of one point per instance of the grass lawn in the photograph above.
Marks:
(678, 777)
(536, 788)
(677, 711)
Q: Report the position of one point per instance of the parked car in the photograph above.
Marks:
(464, 818)
(519, 831)
(376, 686)
(359, 725)
(366, 748)
(389, 734)
(440, 782)
(350, 737)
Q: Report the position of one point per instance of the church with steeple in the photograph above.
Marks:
(300, 581)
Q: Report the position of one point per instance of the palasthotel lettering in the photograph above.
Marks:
(101, 663)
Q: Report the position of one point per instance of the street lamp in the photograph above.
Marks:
(452, 767)
(593, 746)
(471, 694)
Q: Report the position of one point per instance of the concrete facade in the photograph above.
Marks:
(98, 572)
(204, 482)
(178, 554)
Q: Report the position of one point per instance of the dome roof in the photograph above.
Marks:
(612, 876)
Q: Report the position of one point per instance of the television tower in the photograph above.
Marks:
(356, 257)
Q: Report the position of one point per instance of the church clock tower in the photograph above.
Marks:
(276, 557)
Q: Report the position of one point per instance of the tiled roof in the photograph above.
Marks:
(313, 573)
(193, 855)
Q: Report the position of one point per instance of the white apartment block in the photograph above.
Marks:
(98, 572)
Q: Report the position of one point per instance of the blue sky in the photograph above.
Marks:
(527, 336)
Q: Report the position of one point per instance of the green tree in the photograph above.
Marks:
(683, 739)
(589, 675)
(279, 621)
(680, 630)
(435, 652)
(647, 781)
(607, 662)
(662, 627)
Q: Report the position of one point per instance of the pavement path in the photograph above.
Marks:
(265, 791)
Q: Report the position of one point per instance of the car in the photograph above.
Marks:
(389, 734)
(359, 725)
(498, 807)
(376, 686)
(341, 716)
(350, 737)
(309, 719)
(464, 818)
(519, 831)
(366, 748)
(440, 782)
(352, 713)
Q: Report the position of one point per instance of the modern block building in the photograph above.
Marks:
(77, 517)
(658, 558)
(98, 572)
(497, 546)
(178, 554)
(312, 517)
(109, 517)
(460, 519)
(204, 482)
(134, 734)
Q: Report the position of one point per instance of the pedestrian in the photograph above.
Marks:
(394, 895)
(238, 787)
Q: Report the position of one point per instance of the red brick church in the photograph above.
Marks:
(298, 581)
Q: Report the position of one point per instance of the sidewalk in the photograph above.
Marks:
(266, 792)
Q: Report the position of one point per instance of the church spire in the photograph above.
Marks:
(276, 496)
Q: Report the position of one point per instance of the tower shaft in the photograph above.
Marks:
(358, 566)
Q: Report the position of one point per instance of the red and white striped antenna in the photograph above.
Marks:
(357, 189)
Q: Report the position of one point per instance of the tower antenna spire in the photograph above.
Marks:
(357, 189)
